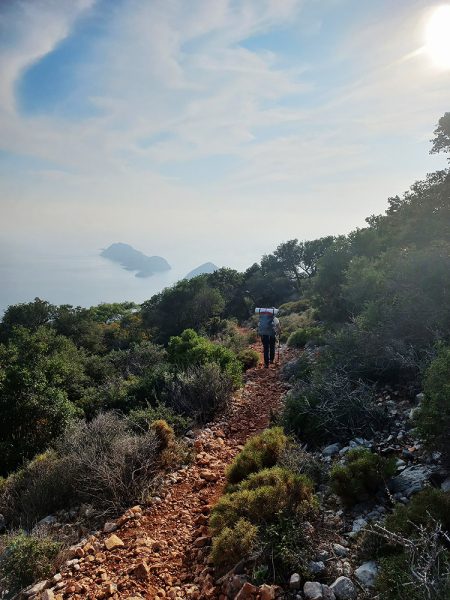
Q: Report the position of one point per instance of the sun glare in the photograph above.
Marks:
(438, 37)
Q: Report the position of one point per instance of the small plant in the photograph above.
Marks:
(359, 478)
(234, 543)
(260, 452)
(27, 559)
(300, 337)
(163, 432)
(249, 358)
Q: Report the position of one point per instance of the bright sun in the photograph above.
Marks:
(438, 37)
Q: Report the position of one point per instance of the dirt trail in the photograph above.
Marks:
(165, 546)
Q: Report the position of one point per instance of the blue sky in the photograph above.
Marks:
(219, 128)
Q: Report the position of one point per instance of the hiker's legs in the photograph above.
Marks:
(265, 341)
(272, 349)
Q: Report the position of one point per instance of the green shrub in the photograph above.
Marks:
(414, 562)
(294, 307)
(433, 417)
(261, 496)
(425, 506)
(259, 453)
(190, 350)
(234, 543)
(249, 358)
(329, 407)
(27, 559)
(144, 417)
(45, 485)
(358, 480)
(300, 337)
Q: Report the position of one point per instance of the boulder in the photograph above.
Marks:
(366, 573)
(343, 588)
(331, 450)
(316, 567)
(289, 369)
(445, 485)
(37, 588)
(247, 591)
(328, 593)
(313, 590)
(410, 480)
(50, 520)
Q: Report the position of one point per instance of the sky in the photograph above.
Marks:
(214, 129)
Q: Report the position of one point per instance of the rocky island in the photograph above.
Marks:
(134, 260)
(208, 267)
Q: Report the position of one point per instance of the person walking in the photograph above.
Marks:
(269, 327)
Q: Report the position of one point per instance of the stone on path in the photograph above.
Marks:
(294, 583)
(113, 542)
(313, 590)
(343, 588)
(366, 573)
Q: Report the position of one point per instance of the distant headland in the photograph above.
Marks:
(134, 260)
(208, 267)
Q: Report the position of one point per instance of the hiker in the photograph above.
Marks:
(269, 327)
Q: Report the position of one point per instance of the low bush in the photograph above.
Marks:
(234, 543)
(142, 418)
(113, 466)
(301, 336)
(43, 486)
(329, 407)
(412, 545)
(191, 350)
(26, 559)
(433, 417)
(259, 453)
(261, 496)
(249, 358)
(359, 478)
(294, 307)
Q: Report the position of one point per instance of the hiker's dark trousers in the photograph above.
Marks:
(269, 348)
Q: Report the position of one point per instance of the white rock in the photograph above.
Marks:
(359, 524)
(340, 550)
(366, 573)
(343, 588)
(313, 590)
(294, 583)
(37, 588)
(109, 527)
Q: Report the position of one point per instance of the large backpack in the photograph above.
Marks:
(266, 325)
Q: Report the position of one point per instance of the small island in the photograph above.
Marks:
(208, 267)
(134, 260)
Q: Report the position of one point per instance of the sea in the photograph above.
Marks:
(79, 278)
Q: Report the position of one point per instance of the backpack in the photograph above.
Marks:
(266, 325)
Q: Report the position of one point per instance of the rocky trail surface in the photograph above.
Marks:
(161, 550)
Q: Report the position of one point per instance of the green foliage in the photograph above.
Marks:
(441, 142)
(189, 349)
(33, 403)
(234, 543)
(329, 407)
(187, 304)
(416, 569)
(27, 559)
(359, 478)
(428, 504)
(144, 417)
(294, 307)
(261, 496)
(259, 452)
(433, 417)
(300, 337)
(248, 358)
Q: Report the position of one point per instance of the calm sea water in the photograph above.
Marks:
(77, 278)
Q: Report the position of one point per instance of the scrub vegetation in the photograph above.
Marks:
(118, 384)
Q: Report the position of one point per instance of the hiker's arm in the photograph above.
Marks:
(278, 328)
